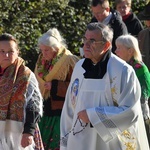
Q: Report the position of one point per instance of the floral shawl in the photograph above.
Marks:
(13, 84)
(57, 69)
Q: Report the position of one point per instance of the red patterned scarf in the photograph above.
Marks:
(13, 84)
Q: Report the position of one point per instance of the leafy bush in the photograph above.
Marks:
(28, 19)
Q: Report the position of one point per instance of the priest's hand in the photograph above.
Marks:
(83, 116)
(26, 140)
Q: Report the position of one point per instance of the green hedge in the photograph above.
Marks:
(28, 19)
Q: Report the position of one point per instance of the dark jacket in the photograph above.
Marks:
(133, 24)
(53, 105)
(144, 40)
(118, 26)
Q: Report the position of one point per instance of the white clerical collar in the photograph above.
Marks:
(107, 19)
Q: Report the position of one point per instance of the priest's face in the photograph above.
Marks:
(94, 46)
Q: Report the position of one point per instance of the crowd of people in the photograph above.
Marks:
(99, 101)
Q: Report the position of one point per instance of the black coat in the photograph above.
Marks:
(118, 26)
(133, 24)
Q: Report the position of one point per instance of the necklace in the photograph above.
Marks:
(83, 126)
(72, 130)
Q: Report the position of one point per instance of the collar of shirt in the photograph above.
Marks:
(107, 19)
(96, 71)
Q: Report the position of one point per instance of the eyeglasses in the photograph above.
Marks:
(91, 41)
(2, 52)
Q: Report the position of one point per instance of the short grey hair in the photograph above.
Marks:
(53, 39)
(106, 31)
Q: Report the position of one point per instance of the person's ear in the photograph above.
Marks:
(107, 46)
(131, 51)
(107, 9)
(18, 52)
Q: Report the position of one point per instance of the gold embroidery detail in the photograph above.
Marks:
(128, 140)
(113, 90)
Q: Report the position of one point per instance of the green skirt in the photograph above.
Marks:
(50, 132)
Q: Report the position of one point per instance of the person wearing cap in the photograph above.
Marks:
(144, 35)
(130, 19)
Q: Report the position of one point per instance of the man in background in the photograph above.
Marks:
(104, 14)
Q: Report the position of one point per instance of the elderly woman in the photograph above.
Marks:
(53, 71)
(20, 99)
(128, 50)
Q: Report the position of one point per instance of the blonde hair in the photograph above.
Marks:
(53, 39)
(130, 41)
